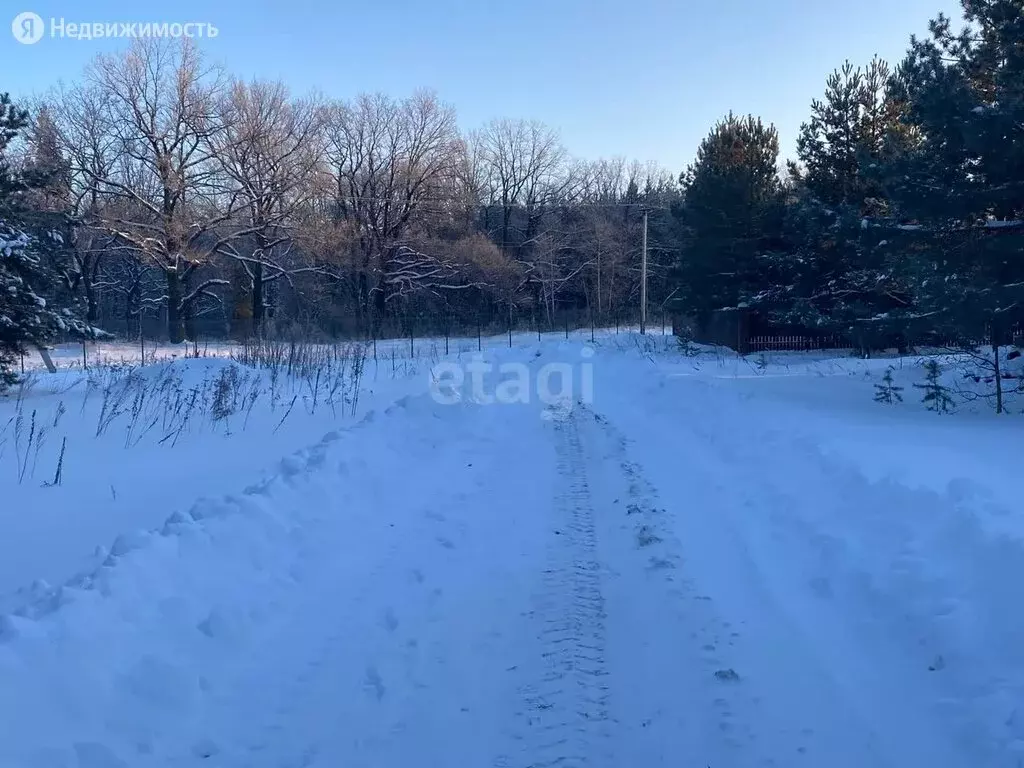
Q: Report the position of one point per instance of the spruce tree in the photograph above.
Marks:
(936, 395)
(887, 391)
(12, 122)
(31, 310)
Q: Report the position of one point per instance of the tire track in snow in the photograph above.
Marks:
(794, 700)
(670, 658)
(565, 717)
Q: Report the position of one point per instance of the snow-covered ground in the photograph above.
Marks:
(701, 560)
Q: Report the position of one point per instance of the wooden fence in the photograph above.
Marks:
(791, 343)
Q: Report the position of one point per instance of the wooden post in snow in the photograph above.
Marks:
(45, 354)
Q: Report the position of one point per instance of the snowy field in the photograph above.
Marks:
(682, 560)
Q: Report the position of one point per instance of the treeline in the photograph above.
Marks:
(221, 206)
(159, 194)
(901, 220)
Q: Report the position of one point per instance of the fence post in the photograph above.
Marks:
(479, 334)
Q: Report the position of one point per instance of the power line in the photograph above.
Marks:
(546, 206)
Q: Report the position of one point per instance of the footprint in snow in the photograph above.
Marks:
(374, 682)
(660, 564)
(646, 536)
(727, 675)
(220, 625)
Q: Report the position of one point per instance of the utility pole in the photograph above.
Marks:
(643, 281)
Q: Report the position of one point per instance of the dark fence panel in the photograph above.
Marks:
(796, 343)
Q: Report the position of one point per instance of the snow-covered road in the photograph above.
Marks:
(635, 582)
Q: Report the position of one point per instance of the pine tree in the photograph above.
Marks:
(30, 314)
(847, 132)
(730, 215)
(956, 176)
(936, 395)
(832, 273)
(887, 390)
(47, 172)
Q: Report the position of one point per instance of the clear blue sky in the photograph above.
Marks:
(644, 79)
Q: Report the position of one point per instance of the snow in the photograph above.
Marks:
(122, 480)
(713, 561)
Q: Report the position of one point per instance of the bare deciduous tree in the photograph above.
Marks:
(176, 177)
(524, 164)
(164, 193)
(270, 151)
(390, 161)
